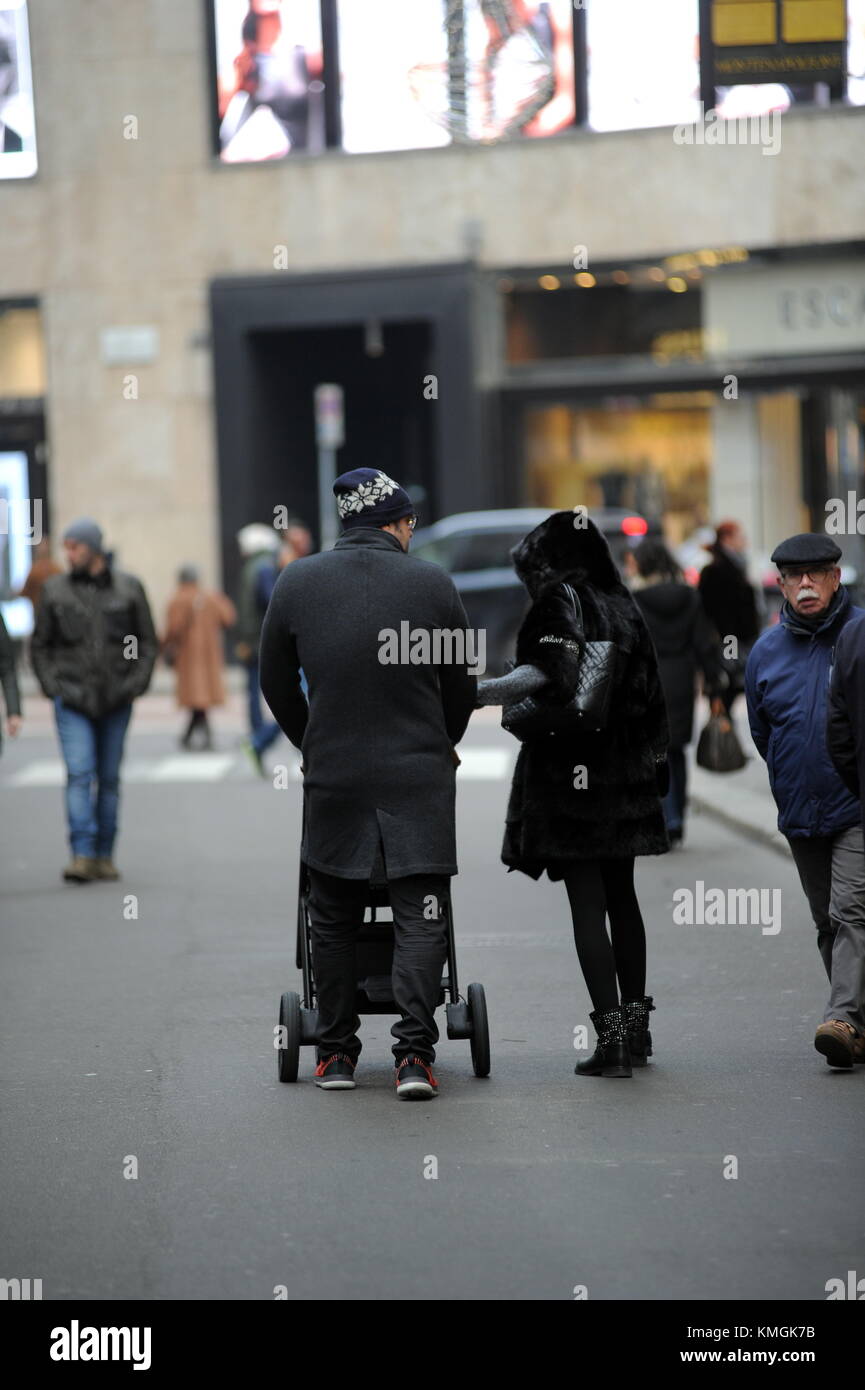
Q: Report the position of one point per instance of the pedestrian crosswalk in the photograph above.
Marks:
(477, 765)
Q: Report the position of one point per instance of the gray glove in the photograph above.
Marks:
(507, 690)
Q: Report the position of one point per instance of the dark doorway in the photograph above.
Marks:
(388, 422)
(379, 334)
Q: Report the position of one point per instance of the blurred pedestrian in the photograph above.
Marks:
(42, 568)
(685, 642)
(787, 688)
(584, 804)
(297, 540)
(258, 547)
(93, 651)
(379, 766)
(731, 604)
(194, 625)
(9, 682)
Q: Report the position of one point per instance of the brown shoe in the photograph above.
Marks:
(859, 1048)
(81, 869)
(835, 1040)
(105, 868)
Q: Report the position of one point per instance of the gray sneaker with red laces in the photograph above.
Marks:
(335, 1073)
(414, 1080)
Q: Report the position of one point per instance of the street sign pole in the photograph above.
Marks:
(330, 436)
(326, 499)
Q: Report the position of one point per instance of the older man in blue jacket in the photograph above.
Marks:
(787, 687)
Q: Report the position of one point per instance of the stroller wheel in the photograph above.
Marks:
(288, 1054)
(480, 1036)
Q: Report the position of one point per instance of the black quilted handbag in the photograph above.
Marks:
(589, 707)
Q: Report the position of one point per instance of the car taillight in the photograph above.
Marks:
(635, 525)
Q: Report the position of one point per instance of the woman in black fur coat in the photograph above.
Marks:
(584, 805)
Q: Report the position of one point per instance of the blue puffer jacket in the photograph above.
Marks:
(787, 689)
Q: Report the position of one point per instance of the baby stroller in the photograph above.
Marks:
(298, 1020)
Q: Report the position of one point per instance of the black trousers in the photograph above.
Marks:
(336, 909)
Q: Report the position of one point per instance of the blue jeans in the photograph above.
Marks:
(262, 732)
(92, 750)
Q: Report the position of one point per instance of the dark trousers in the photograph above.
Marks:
(832, 873)
(677, 797)
(336, 909)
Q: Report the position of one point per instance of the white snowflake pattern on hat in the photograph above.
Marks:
(365, 494)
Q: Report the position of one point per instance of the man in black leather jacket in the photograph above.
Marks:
(93, 651)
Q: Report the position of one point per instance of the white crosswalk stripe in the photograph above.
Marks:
(477, 765)
(204, 767)
(48, 772)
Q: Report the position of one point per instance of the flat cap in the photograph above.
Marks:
(808, 548)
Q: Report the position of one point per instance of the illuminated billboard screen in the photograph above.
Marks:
(303, 76)
(388, 74)
(20, 528)
(269, 68)
(17, 121)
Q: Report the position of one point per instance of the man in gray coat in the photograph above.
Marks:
(382, 640)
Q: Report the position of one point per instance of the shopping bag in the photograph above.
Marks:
(719, 749)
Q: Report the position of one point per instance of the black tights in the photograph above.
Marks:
(597, 888)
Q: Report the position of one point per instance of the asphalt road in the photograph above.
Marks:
(152, 1039)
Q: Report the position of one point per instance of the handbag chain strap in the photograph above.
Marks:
(577, 607)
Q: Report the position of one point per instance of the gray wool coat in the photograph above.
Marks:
(377, 739)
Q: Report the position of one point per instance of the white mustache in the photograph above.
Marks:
(807, 593)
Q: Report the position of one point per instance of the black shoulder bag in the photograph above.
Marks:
(589, 707)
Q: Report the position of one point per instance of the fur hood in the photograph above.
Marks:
(559, 550)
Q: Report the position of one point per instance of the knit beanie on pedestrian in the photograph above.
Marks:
(87, 532)
(368, 497)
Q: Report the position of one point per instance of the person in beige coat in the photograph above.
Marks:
(192, 644)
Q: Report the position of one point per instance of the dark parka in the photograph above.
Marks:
(845, 724)
(617, 814)
(787, 688)
(684, 642)
(376, 738)
(79, 648)
(729, 598)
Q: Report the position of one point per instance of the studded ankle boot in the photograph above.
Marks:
(636, 1013)
(611, 1056)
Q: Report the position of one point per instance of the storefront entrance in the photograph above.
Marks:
(652, 456)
